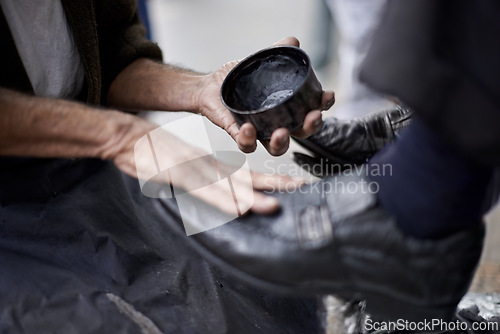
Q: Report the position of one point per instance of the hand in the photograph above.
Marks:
(53, 128)
(170, 152)
(246, 136)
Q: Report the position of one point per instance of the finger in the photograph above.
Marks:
(264, 204)
(233, 131)
(227, 67)
(313, 122)
(275, 182)
(328, 100)
(222, 198)
(290, 40)
(244, 195)
(278, 143)
(247, 138)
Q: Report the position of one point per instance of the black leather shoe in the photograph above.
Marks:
(331, 237)
(348, 142)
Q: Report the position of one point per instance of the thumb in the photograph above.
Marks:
(290, 40)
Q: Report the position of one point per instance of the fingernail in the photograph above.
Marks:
(248, 132)
(318, 122)
(283, 140)
(271, 201)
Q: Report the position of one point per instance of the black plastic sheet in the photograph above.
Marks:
(83, 251)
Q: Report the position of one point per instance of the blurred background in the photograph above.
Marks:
(202, 35)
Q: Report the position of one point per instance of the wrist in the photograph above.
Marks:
(148, 85)
(185, 95)
(123, 130)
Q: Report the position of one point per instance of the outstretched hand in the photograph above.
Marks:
(151, 153)
(211, 106)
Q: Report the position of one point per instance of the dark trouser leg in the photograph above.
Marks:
(433, 190)
(143, 15)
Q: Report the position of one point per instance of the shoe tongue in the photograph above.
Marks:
(349, 194)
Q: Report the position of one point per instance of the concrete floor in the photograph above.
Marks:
(487, 279)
